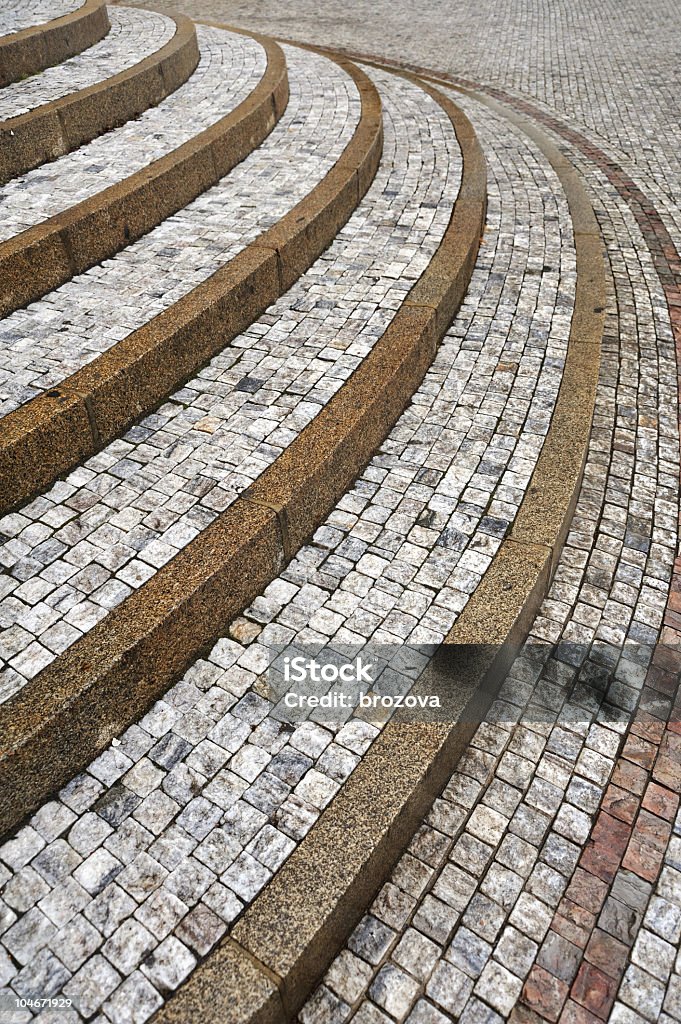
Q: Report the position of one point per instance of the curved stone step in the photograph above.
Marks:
(232, 559)
(144, 58)
(173, 158)
(180, 327)
(286, 938)
(31, 49)
(307, 768)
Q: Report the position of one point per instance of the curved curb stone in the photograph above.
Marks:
(57, 430)
(70, 711)
(47, 255)
(55, 128)
(269, 964)
(34, 49)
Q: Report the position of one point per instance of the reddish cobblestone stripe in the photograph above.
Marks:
(629, 838)
(585, 959)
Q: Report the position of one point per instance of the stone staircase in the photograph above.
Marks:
(294, 350)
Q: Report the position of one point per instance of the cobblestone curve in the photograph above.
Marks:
(650, 988)
(128, 510)
(610, 72)
(566, 963)
(495, 906)
(608, 69)
(181, 822)
(27, 13)
(230, 67)
(625, 92)
(134, 35)
(49, 340)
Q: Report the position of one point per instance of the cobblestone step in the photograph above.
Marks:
(272, 792)
(544, 883)
(190, 286)
(381, 251)
(67, 216)
(144, 58)
(34, 35)
(133, 35)
(402, 593)
(334, 475)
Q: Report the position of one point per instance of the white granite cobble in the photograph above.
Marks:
(230, 67)
(134, 35)
(52, 338)
(127, 511)
(18, 15)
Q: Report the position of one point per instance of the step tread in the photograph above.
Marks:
(31, 13)
(231, 66)
(90, 313)
(134, 35)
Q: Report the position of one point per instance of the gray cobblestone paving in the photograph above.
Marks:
(76, 552)
(154, 850)
(497, 852)
(625, 91)
(21, 14)
(134, 35)
(52, 338)
(229, 68)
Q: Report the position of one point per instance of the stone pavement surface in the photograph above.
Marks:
(610, 69)
(545, 883)
(531, 882)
